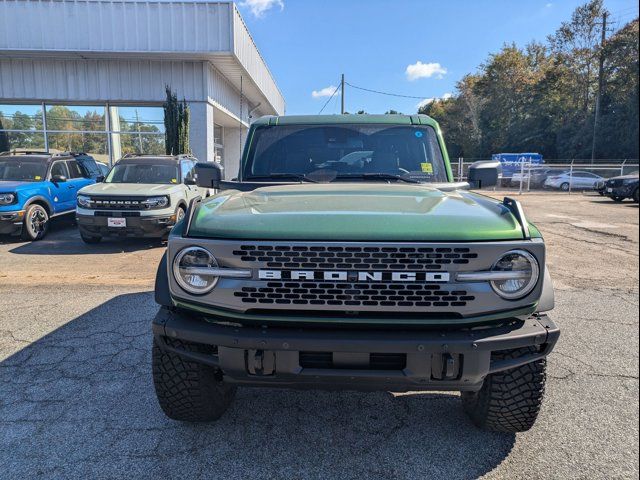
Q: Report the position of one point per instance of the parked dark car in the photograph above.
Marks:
(622, 187)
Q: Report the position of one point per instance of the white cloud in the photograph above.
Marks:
(259, 7)
(324, 92)
(424, 70)
(427, 101)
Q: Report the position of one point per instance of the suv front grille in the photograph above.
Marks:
(359, 258)
(119, 203)
(354, 294)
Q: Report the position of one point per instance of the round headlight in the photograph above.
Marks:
(84, 201)
(524, 278)
(7, 198)
(190, 270)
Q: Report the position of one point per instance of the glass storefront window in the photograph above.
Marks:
(137, 119)
(21, 141)
(94, 144)
(74, 117)
(20, 117)
(83, 128)
(138, 143)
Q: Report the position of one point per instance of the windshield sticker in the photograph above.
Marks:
(418, 134)
(426, 168)
(37, 177)
(173, 180)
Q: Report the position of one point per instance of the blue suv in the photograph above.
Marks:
(36, 186)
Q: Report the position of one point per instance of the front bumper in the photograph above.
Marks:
(621, 191)
(402, 360)
(137, 226)
(11, 222)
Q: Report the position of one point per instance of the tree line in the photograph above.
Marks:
(541, 98)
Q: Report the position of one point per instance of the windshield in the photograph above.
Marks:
(23, 169)
(143, 173)
(345, 152)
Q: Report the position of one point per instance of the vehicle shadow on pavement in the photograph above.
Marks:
(64, 239)
(79, 402)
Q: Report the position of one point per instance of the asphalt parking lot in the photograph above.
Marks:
(77, 401)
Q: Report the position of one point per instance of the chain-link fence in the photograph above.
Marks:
(560, 175)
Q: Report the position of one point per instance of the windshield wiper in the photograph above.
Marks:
(381, 176)
(297, 176)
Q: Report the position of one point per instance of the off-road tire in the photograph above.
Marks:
(35, 231)
(508, 401)
(618, 199)
(189, 391)
(90, 240)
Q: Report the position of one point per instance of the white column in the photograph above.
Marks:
(201, 130)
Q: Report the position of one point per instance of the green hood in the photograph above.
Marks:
(354, 212)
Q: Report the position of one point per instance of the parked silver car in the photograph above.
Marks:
(577, 179)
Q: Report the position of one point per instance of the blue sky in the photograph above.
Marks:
(377, 44)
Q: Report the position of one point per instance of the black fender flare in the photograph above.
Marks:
(547, 297)
(162, 294)
(40, 199)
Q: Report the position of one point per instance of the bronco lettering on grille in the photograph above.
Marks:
(353, 276)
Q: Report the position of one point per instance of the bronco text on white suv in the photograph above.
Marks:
(142, 196)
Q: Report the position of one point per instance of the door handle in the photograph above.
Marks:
(71, 187)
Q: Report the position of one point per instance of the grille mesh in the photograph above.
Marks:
(354, 294)
(358, 258)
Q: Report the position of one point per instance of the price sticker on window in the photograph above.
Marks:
(426, 167)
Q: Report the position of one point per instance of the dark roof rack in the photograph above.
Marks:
(156, 155)
(42, 152)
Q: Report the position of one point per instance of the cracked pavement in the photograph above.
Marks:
(77, 401)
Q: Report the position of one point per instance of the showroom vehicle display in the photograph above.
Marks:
(344, 256)
(142, 196)
(37, 186)
(622, 187)
(576, 179)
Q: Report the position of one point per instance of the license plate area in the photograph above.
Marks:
(116, 222)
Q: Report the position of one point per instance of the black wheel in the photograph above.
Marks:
(189, 391)
(618, 199)
(635, 196)
(36, 223)
(564, 187)
(508, 401)
(90, 240)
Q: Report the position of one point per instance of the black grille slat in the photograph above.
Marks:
(362, 258)
(356, 294)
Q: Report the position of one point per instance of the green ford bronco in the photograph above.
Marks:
(344, 256)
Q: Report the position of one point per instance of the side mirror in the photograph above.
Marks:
(190, 181)
(58, 178)
(100, 179)
(484, 174)
(208, 174)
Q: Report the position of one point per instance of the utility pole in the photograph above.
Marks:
(600, 85)
(342, 95)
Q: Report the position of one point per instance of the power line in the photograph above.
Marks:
(328, 100)
(384, 93)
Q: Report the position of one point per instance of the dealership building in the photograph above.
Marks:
(89, 75)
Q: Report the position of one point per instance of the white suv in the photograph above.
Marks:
(142, 196)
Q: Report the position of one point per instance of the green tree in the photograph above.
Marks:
(176, 123)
